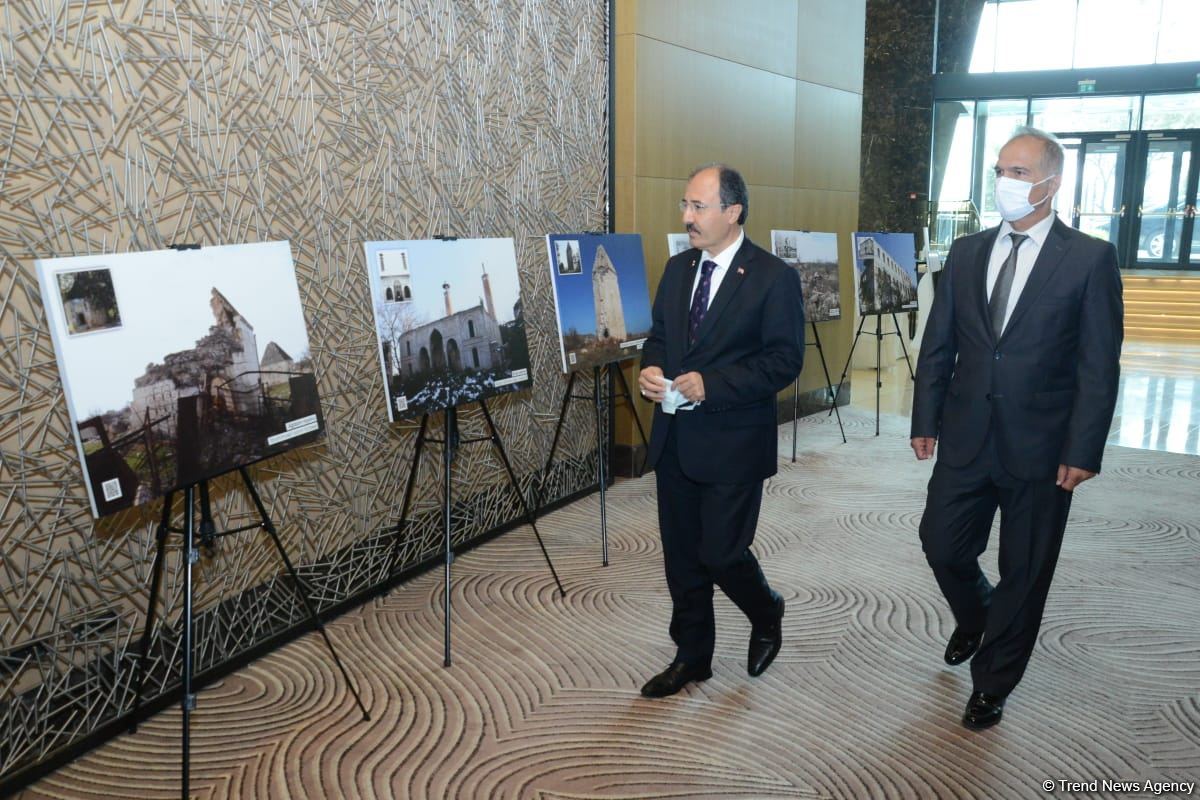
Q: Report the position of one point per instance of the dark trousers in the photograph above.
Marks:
(954, 533)
(707, 529)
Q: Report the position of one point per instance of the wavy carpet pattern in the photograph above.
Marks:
(542, 700)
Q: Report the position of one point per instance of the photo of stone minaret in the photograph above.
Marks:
(601, 297)
(489, 305)
(610, 317)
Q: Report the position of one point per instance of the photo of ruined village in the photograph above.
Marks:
(677, 243)
(210, 369)
(604, 306)
(450, 322)
(814, 254)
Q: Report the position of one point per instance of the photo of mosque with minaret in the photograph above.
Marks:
(450, 322)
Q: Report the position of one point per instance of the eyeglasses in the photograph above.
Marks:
(697, 208)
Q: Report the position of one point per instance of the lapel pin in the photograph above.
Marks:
(741, 270)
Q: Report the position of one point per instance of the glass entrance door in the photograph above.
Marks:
(1164, 219)
(1094, 180)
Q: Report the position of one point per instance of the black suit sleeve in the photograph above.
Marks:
(939, 352)
(1101, 331)
(654, 349)
(777, 362)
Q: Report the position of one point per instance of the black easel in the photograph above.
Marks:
(828, 383)
(602, 448)
(879, 334)
(208, 537)
(450, 444)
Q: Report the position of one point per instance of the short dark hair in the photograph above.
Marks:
(733, 187)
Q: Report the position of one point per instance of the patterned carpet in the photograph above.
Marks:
(542, 700)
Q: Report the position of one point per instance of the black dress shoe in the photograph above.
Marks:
(983, 711)
(674, 678)
(962, 646)
(765, 641)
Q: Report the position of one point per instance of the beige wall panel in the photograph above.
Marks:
(625, 104)
(829, 43)
(763, 37)
(802, 209)
(771, 207)
(826, 210)
(828, 137)
(625, 12)
(693, 108)
(708, 85)
(625, 205)
(658, 215)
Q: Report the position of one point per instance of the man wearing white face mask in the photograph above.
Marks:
(1017, 382)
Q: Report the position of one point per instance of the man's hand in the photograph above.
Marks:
(1070, 477)
(650, 382)
(923, 446)
(691, 386)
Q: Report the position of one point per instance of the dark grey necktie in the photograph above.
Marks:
(998, 304)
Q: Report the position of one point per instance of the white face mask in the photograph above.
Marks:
(1012, 198)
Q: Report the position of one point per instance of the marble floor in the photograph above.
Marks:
(1158, 407)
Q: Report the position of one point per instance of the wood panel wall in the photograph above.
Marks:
(773, 88)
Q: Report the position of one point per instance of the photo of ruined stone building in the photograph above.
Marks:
(89, 303)
(814, 255)
(886, 268)
(450, 322)
(604, 307)
(232, 396)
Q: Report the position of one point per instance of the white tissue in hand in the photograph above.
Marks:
(673, 399)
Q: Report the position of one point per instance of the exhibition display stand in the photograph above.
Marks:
(450, 442)
(879, 334)
(191, 555)
(602, 401)
(816, 342)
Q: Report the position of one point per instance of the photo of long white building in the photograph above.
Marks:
(887, 277)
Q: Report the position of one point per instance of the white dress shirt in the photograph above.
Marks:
(1026, 256)
(723, 261)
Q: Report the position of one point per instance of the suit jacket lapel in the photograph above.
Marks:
(979, 288)
(683, 301)
(738, 268)
(1049, 257)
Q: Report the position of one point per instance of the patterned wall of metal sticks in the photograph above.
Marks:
(135, 126)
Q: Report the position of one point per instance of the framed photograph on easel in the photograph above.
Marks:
(179, 365)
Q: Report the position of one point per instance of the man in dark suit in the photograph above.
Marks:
(1017, 379)
(727, 335)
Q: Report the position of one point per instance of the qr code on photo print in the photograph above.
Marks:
(402, 403)
(111, 489)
